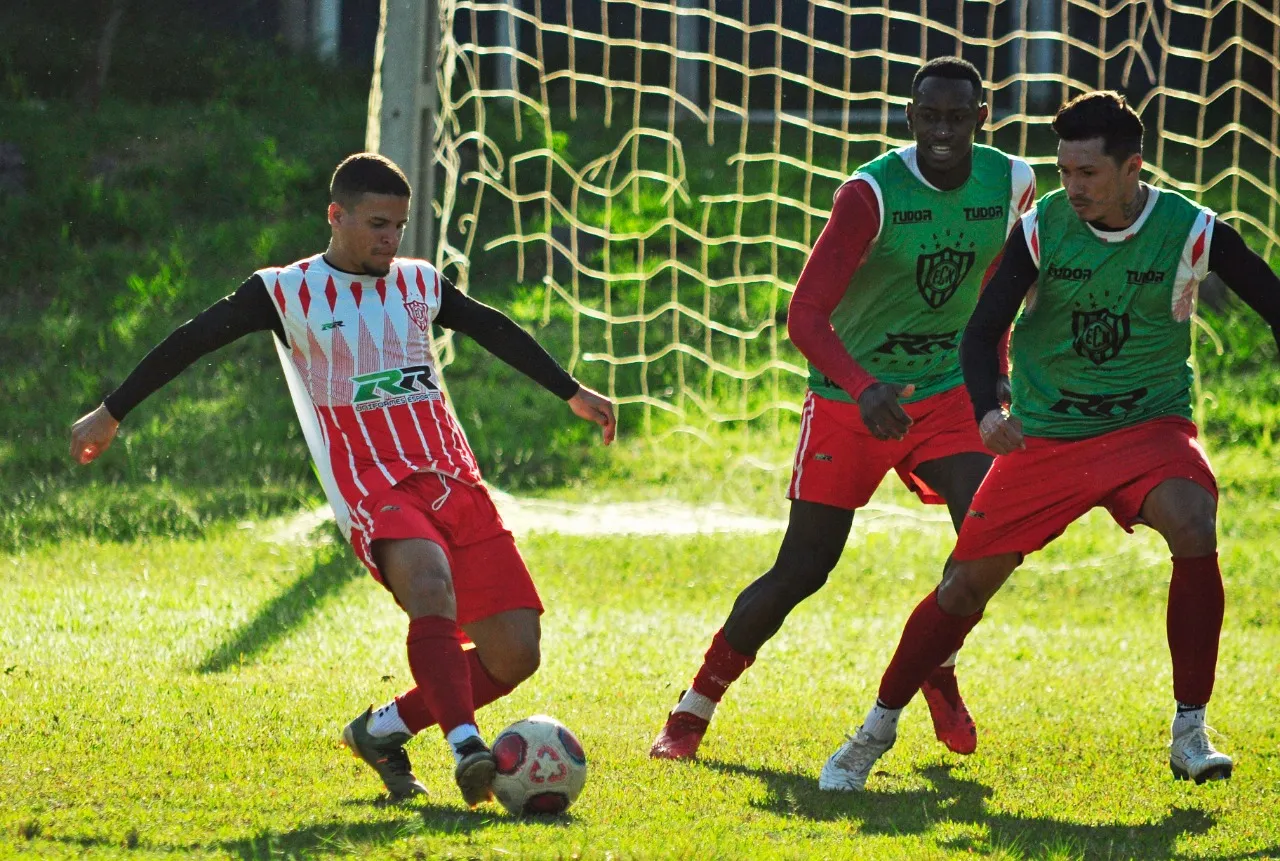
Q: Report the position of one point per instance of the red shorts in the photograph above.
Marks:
(839, 462)
(489, 575)
(1032, 495)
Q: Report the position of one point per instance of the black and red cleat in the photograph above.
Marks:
(680, 736)
(952, 723)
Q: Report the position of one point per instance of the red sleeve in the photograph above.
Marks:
(839, 251)
(1003, 348)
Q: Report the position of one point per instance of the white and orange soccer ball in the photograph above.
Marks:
(541, 766)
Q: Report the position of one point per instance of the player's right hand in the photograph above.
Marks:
(881, 412)
(92, 434)
(1001, 432)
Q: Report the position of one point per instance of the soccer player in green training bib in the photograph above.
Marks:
(1101, 414)
(878, 313)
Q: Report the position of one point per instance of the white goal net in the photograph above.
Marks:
(656, 172)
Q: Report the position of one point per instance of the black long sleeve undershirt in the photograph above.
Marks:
(997, 305)
(1230, 258)
(249, 309)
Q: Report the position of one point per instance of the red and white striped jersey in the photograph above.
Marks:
(364, 380)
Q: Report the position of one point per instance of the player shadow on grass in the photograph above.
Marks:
(362, 838)
(332, 569)
(359, 838)
(958, 800)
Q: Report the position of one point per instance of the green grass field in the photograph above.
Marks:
(182, 697)
(173, 677)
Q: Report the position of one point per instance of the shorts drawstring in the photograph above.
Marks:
(444, 497)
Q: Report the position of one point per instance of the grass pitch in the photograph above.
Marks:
(183, 697)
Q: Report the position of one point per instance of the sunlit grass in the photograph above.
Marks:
(180, 695)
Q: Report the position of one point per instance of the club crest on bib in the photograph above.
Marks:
(1099, 334)
(940, 273)
(420, 313)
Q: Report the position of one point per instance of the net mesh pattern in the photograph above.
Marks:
(658, 171)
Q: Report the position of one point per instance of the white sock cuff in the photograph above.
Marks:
(696, 703)
(882, 723)
(1185, 720)
(461, 733)
(386, 721)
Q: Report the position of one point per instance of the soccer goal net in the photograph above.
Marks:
(655, 173)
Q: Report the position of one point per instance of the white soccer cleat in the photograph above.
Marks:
(1193, 757)
(849, 767)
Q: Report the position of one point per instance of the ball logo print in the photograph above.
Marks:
(547, 766)
(541, 767)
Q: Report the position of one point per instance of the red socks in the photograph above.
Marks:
(484, 689)
(929, 637)
(943, 680)
(1193, 623)
(441, 670)
(720, 668)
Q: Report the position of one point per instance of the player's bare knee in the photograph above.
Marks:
(967, 586)
(517, 661)
(807, 581)
(430, 593)
(958, 596)
(1193, 534)
(804, 571)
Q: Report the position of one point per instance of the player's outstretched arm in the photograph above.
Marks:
(247, 310)
(1246, 273)
(499, 334)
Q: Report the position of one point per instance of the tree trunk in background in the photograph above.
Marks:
(326, 27)
(295, 31)
(96, 81)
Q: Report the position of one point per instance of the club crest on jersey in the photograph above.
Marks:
(1099, 334)
(420, 313)
(939, 274)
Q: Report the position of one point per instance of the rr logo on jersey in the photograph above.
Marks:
(918, 345)
(1098, 406)
(400, 385)
(419, 313)
(939, 274)
(1099, 334)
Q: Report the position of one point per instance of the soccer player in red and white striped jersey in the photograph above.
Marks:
(353, 329)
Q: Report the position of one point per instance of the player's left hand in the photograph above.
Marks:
(595, 407)
(1004, 390)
